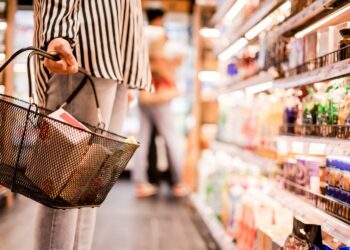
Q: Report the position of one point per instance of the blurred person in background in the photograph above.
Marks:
(106, 38)
(165, 58)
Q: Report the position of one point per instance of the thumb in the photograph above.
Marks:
(67, 55)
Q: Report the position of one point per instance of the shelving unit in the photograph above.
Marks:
(220, 14)
(245, 154)
(216, 229)
(319, 8)
(325, 68)
(259, 15)
(241, 84)
(305, 210)
(335, 70)
(313, 146)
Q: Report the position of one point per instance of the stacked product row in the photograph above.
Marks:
(240, 198)
(287, 57)
(320, 110)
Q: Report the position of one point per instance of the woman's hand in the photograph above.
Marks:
(68, 64)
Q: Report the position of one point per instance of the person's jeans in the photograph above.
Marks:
(162, 117)
(73, 229)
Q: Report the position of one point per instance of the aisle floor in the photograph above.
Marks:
(123, 223)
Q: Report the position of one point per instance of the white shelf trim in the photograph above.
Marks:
(240, 84)
(335, 70)
(316, 145)
(303, 16)
(257, 16)
(221, 12)
(244, 154)
(301, 208)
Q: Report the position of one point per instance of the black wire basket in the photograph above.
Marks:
(51, 162)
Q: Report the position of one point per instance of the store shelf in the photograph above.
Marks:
(312, 145)
(256, 17)
(215, 227)
(303, 18)
(241, 84)
(245, 154)
(332, 71)
(221, 12)
(309, 212)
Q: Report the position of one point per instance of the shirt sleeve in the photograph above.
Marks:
(58, 18)
(134, 48)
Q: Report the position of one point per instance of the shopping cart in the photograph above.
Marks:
(51, 162)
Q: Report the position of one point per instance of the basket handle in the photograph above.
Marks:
(39, 52)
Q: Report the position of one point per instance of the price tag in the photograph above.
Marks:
(338, 149)
(329, 149)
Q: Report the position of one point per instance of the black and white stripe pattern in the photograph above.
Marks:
(107, 36)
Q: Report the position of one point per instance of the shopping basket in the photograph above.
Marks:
(51, 162)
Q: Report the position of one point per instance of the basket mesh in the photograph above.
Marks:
(54, 163)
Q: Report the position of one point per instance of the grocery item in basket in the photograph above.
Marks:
(107, 173)
(131, 140)
(8, 154)
(57, 152)
(87, 169)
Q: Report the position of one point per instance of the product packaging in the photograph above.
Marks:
(330, 242)
(304, 237)
(296, 56)
(325, 43)
(85, 171)
(106, 173)
(344, 44)
(8, 154)
(310, 50)
(337, 35)
(57, 152)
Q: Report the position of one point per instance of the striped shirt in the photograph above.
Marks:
(107, 37)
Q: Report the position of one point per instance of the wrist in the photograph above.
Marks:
(59, 40)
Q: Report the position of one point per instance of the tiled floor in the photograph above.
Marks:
(123, 223)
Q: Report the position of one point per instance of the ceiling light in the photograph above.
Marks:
(317, 148)
(322, 22)
(233, 49)
(3, 25)
(230, 98)
(297, 147)
(209, 33)
(251, 34)
(235, 9)
(269, 20)
(209, 76)
(259, 88)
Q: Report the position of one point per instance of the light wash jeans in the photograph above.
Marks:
(73, 229)
(162, 117)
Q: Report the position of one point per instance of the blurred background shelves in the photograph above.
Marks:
(215, 227)
(315, 11)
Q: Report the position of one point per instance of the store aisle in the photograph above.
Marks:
(124, 223)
